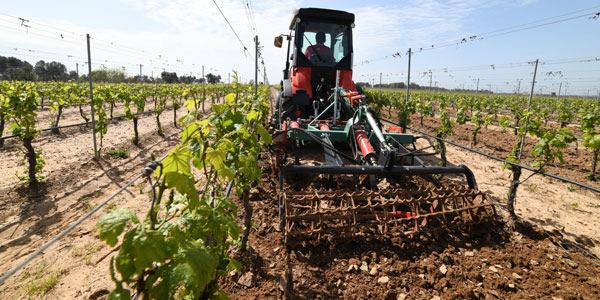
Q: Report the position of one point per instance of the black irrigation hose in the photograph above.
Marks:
(77, 124)
(563, 179)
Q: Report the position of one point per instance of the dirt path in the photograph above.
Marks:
(75, 183)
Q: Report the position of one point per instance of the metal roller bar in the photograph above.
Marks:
(379, 170)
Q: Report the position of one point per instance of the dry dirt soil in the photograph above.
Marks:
(75, 182)
(548, 255)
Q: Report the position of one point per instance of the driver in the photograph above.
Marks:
(323, 52)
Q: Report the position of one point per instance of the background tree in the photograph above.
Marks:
(12, 68)
(169, 77)
(188, 79)
(211, 78)
(52, 71)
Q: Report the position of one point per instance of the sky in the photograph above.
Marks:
(184, 35)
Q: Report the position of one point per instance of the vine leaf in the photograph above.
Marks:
(185, 185)
(111, 225)
(177, 161)
(139, 251)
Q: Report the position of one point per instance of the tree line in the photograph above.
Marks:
(12, 68)
(402, 85)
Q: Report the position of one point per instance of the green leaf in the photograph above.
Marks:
(216, 158)
(234, 265)
(111, 225)
(139, 251)
(253, 115)
(184, 184)
(230, 98)
(265, 137)
(178, 160)
(119, 294)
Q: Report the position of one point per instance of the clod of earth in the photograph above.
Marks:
(443, 269)
(383, 280)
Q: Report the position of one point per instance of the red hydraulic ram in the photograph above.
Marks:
(363, 143)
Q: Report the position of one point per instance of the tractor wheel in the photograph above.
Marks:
(287, 106)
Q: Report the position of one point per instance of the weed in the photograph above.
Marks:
(110, 206)
(119, 153)
(42, 281)
(532, 187)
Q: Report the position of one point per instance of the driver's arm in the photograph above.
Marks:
(309, 52)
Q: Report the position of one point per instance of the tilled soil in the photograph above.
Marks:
(487, 262)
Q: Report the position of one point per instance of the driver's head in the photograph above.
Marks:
(320, 37)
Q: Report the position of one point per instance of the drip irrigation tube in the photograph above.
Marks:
(563, 179)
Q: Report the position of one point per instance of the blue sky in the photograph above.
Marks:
(190, 33)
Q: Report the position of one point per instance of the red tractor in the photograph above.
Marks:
(322, 45)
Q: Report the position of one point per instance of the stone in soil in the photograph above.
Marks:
(383, 280)
(246, 279)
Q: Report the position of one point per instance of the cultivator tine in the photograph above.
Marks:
(323, 212)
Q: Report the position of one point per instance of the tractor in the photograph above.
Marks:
(340, 169)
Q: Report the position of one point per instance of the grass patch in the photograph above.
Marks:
(87, 252)
(531, 187)
(41, 281)
(119, 153)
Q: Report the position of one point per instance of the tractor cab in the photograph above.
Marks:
(319, 45)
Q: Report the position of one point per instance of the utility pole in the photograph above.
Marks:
(405, 122)
(519, 86)
(559, 88)
(255, 65)
(380, 75)
(430, 79)
(265, 75)
(203, 89)
(96, 154)
(477, 88)
(528, 107)
(77, 71)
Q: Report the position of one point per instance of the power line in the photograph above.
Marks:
(497, 32)
(231, 27)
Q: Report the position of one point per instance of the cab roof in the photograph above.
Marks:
(331, 15)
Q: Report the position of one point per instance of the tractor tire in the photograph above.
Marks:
(287, 106)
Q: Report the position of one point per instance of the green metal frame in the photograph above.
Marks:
(342, 133)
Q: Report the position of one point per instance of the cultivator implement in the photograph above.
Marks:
(340, 170)
(391, 211)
